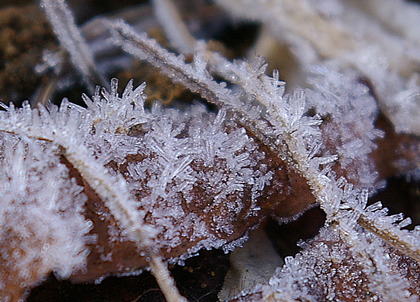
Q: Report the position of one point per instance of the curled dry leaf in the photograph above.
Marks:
(329, 269)
(199, 182)
(223, 183)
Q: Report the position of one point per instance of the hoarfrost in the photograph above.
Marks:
(189, 152)
(189, 174)
(352, 35)
(331, 261)
(42, 227)
(283, 123)
(339, 98)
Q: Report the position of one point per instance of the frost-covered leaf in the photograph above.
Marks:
(42, 222)
(201, 180)
(342, 267)
(282, 123)
(160, 183)
(163, 179)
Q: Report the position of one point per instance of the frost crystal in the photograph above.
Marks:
(315, 273)
(339, 99)
(192, 151)
(42, 227)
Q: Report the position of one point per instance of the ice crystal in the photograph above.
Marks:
(281, 122)
(345, 97)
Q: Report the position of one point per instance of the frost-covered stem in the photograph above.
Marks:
(144, 48)
(175, 29)
(123, 210)
(198, 81)
(112, 192)
(70, 37)
(390, 236)
(164, 279)
(405, 243)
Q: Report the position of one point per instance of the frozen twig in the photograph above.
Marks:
(70, 37)
(175, 29)
(164, 279)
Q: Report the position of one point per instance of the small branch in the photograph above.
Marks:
(70, 37)
(175, 29)
(165, 280)
(405, 243)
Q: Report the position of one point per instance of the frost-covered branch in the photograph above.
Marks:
(70, 37)
(175, 29)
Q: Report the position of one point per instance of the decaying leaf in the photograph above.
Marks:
(200, 182)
